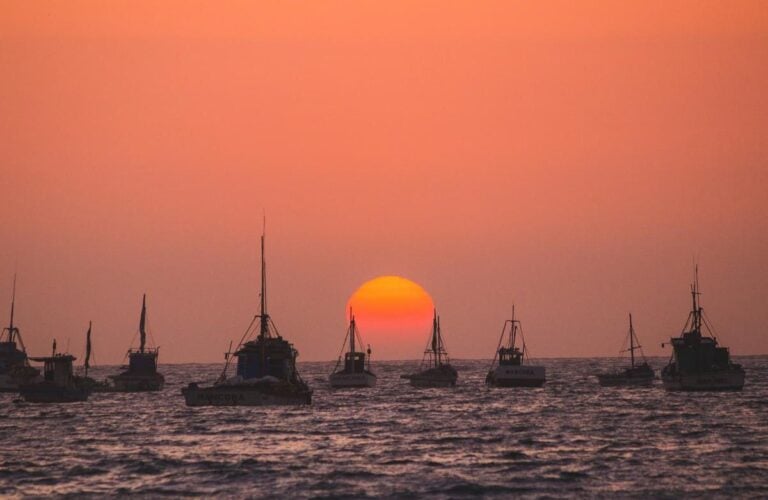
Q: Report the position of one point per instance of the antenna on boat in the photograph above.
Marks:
(264, 316)
(631, 341)
(54, 348)
(351, 331)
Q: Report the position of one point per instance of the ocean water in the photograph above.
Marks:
(570, 438)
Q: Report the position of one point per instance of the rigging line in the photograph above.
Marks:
(226, 365)
(338, 360)
(501, 339)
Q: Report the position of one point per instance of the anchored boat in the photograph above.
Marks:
(353, 372)
(59, 385)
(92, 384)
(634, 374)
(141, 374)
(266, 368)
(510, 366)
(14, 363)
(698, 363)
(435, 369)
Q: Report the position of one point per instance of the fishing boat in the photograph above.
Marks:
(15, 369)
(435, 369)
(92, 384)
(698, 363)
(636, 373)
(266, 367)
(510, 366)
(141, 374)
(352, 372)
(59, 384)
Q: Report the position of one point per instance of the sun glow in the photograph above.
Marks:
(394, 314)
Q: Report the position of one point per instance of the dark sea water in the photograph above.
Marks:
(568, 439)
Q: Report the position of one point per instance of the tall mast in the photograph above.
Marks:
(351, 332)
(88, 349)
(631, 341)
(143, 323)
(513, 331)
(434, 337)
(264, 316)
(439, 344)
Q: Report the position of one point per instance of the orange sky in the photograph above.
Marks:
(572, 159)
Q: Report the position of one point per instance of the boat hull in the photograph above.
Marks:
(712, 381)
(341, 380)
(243, 396)
(517, 376)
(53, 394)
(126, 382)
(426, 382)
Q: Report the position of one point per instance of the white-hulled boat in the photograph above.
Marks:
(510, 366)
(352, 372)
(435, 369)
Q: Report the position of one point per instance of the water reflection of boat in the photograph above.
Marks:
(435, 369)
(698, 363)
(266, 368)
(510, 366)
(59, 384)
(14, 363)
(352, 372)
(142, 374)
(634, 374)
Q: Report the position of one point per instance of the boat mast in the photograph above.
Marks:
(351, 332)
(695, 298)
(88, 349)
(263, 315)
(513, 329)
(631, 341)
(439, 336)
(435, 347)
(142, 324)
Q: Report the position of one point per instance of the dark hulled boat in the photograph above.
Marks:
(435, 369)
(698, 363)
(634, 374)
(59, 384)
(510, 366)
(14, 363)
(266, 368)
(92, 384)
(142, 374)
(352, 372)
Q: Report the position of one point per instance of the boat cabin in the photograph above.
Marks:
(510, 356)
(694, 351)
(57, 369)
(354, 362)
(263, 357)
(142, 362)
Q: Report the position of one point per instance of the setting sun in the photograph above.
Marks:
(394, 315)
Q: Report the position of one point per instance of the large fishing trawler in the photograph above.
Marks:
(142, 374)
(697, 362)
(352, 372)
(266, 368)
(14, 363)
(510, 366)
(635, 373)
(435, 369)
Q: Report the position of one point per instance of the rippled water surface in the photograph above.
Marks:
(570, 438)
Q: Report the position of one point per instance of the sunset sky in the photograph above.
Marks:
(572, 158)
